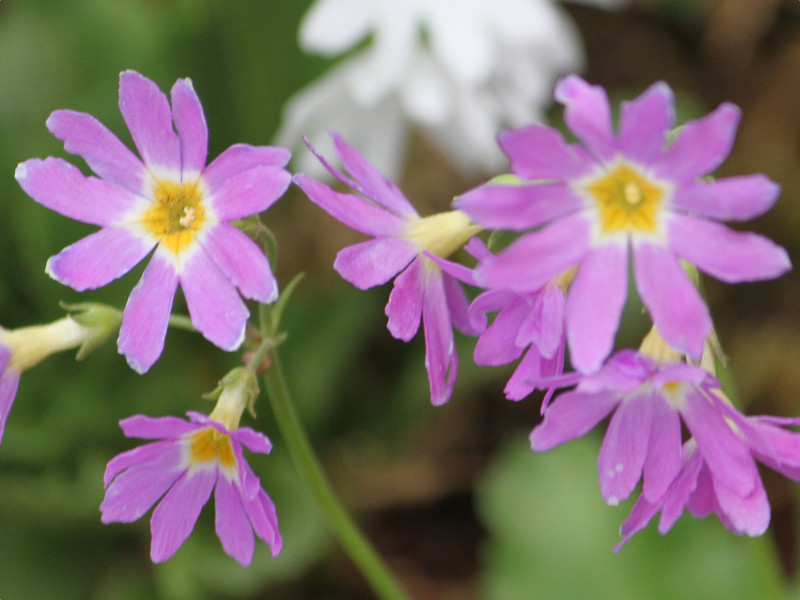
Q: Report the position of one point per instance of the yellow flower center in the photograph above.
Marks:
(210, 445)
(626, 201)
(443, 233)
(177, 214)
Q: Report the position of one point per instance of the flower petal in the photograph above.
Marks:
(457, 305)
(134, 491)
(99, 258)
(728, 199)
(61, 187)
(249, 192)
(135, 458)
(231, 523)
(675, 305)
(255, 441)
(529, 262)
(105, 154)
(594, 305)
(404, 308)
(242, 157)
(663, 460)
(497, 345)
(572, 415)
(153, 428)
(684, 489)
(748, 514)
(371, 182)
(146, 111)
(146, 315)
(441, 358)
(644, 123)
(700, 147)
(728, 255)
(191, 125)
(175, 516)
(539, 152)
(241, 261)
(374, 262)
(588, 114)
(518, 207)
(261, 512)
(624, 448)
(9, 384)
(352, 210)
(215, 307)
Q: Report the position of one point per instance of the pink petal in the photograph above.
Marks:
(174, 518)
(644, 123)
(191, 125)
(486, 302)
(87, 137)
(748, 514)
(675, 305)
(572, 415)
(134, 491)
(684, 489)
(9, 384)
(61, 187)
(249, 192)
(371, 182)
(404, 308)
(141, 455)
(531, 261)
(242, 157)
(663, 460)
(215, 307)
(539, 152)
(700, 147)
(728, 199)
(594, 306)
(457, 305)
(518, 207)
(624, 448)
(374, 262)
(146, 315)
(255, 441)
(261, 512)
(153, 428)
(99, 258)
(147, 113)
(352, 210)
(588, 114)
(242, 262)
(231, 523)
(441, 358)
(728, 255)
(497, 345)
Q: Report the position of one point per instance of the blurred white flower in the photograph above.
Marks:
(458, 70)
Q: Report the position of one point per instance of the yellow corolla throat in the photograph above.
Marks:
(627, 201)
(443, 233)
(209, 445)
(176, 215)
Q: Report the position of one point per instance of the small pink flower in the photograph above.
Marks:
(169, 200)
(179, 472)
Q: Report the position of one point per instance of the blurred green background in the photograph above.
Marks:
(451, 496)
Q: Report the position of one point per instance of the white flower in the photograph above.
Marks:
(459, 70)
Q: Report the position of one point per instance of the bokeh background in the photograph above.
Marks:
(452, 496)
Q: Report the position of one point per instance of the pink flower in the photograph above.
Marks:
(401, 249)
(698, 489)
(169, 200)
(623, 194)
(179, 472)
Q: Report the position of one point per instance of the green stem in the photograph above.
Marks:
(181, 322)
(308, 466)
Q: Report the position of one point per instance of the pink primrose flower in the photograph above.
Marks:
(169, 200)
(613, 195)
(179, 472)
(401, 249)
(698, 488)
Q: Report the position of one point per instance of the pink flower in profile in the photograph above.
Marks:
(169, 200)
(616, 195)
(179, 472)
(402, 249)
(698, 489)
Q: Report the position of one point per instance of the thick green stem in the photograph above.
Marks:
(308, 466)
